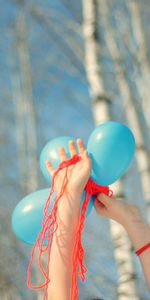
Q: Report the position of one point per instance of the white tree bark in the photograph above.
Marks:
(20, 126)
(93, 70)
(142, 158)
(26, 114)
(101, 111)
(129, 103)
(27, 101)
(141, 56)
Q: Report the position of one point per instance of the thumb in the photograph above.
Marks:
(105, 200)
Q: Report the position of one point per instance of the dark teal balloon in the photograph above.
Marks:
(28, 214)
(111, 147)
(50, 152)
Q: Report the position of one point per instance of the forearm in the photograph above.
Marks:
(130, 218)
(60, 267)
(139, 233)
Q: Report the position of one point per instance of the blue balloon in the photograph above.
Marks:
(111, 147)
(50, 152)
(28, 214)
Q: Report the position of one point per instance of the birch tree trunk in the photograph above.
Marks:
(27, 102)
(142, 82)
(133, 120)
(25, 111)
(129, 103)
(20, 126)
(101, 111)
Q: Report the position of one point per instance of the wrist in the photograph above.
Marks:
(139, 233)
(68, 216)
(69, 204)
(131, 217)
(73, 195)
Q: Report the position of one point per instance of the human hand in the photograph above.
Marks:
(118, 210)
(78, 174)
(130, 218)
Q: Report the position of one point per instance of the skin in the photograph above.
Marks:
(68, 219)
(129, 216)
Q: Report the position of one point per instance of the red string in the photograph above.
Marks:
(142, 249)
(91, 188)
(50, 225)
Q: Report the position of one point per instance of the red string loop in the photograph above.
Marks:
(93, 188)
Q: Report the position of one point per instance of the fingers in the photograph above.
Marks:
(50, 167)
(102, 204)
(82, 150)
(105, 200)
(99, 203)
(72, 148)
(99, 207)
(80, 146)
(62, 154)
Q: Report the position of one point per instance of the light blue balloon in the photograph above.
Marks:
(28, 214)
(50, 152)
(111, 147)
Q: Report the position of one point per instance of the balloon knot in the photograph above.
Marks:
(93, 188)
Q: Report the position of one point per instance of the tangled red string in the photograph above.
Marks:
(50, 225)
